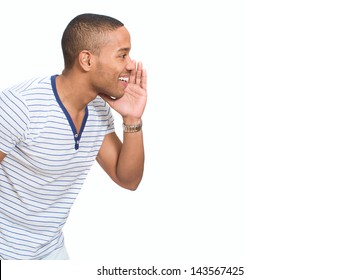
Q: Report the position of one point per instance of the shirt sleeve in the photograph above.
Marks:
(14, 120)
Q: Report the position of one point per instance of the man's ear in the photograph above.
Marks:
(85, 60)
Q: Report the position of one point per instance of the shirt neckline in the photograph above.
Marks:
(76, 134)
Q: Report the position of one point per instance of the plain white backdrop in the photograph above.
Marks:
(241, 135)
(191, 205)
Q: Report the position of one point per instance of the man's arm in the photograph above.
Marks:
(124, 162)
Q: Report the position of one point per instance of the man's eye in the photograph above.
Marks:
(123, 55)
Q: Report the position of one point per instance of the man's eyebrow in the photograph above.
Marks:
(124, 50)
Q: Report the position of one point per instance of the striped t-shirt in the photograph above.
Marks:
(45, 167)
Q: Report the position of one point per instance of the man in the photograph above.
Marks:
(53, 128)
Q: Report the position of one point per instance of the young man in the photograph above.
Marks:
(53, 128)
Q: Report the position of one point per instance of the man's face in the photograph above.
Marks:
(113, 64)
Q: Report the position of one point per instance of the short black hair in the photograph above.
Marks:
(85, 32)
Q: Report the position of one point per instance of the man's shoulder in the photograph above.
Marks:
(32, 84)
(99, 105)
(28, 94)
(99, 110)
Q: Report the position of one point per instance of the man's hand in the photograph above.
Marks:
(132, 104)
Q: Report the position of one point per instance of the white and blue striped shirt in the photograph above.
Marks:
(45, 166)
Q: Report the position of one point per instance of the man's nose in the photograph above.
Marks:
(130, 65)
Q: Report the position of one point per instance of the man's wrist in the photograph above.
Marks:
(131, 121)
(132, 127)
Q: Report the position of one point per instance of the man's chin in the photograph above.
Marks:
(114, 97)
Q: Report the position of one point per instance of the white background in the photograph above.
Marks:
(241, 136)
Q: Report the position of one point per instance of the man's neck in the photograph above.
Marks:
(74, 92)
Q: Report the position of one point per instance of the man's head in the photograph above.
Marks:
(98, 46)
(86, 32)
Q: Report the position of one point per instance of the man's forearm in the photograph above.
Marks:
(130, 166)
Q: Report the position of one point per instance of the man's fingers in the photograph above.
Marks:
(139, 72)
(132, 76)
(138, 75)
(144, 79)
